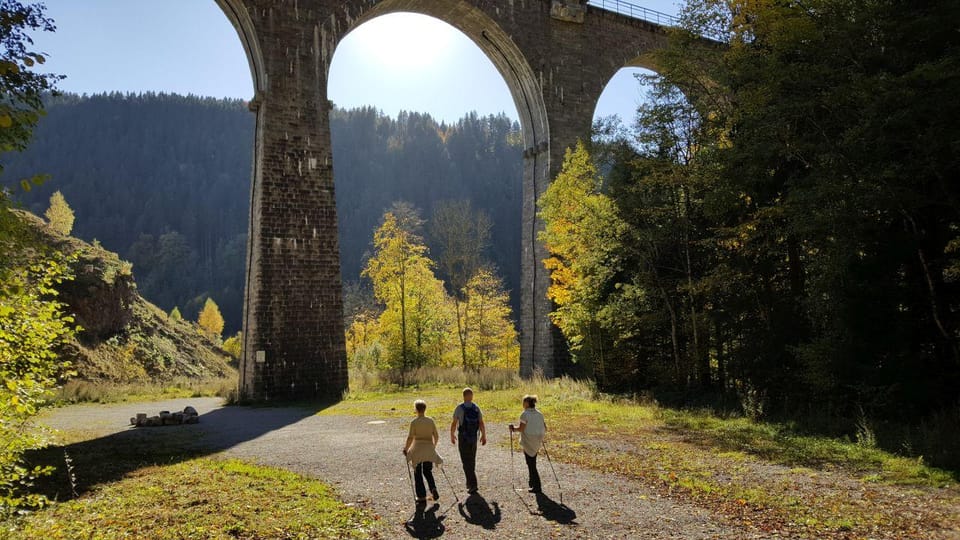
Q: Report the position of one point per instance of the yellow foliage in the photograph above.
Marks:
(59, 215)
(210, 319)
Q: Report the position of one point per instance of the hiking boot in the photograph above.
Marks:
(435, 494)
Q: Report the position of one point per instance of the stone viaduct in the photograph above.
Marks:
(556, 56)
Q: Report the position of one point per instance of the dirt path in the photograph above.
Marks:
(361, 457)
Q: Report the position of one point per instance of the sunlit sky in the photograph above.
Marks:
(396, 62)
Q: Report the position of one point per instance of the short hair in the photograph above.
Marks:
(420, 404)
(467, 390)
(531, 399)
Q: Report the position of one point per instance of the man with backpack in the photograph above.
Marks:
(467, 421)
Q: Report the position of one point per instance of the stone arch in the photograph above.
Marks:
(237, 14)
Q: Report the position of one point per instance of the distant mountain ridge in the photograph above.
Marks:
(164, 180)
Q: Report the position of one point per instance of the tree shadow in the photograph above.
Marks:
(550, 510)
(81, 466)
(476, 511)
(425, 523)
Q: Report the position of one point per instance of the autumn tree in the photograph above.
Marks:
(412, 321)
(491, 336)
(59, 214)
(175, 314)
(233, 345)
(210, 319)
(581, 232)
(461, 236)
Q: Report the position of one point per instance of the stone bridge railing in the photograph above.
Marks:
(636, 12)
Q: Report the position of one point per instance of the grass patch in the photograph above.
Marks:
(499, 405)
(80, 391)
(200, 498)
(779, 443)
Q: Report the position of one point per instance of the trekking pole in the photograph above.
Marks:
(555, 477)
(449, 483)
(410, 477)
(513, 464)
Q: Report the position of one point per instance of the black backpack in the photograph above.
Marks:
(470, 424)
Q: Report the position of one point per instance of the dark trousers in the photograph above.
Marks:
(534, 481)
(468, 455)
(423, 470)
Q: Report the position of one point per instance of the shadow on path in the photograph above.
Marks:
(551, 511)
(476, 511)
(425, 524)
(111, 457)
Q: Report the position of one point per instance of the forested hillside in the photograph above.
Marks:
(164, 180)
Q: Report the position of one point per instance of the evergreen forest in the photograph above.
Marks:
(164, 180)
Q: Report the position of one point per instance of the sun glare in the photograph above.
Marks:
(405, 41)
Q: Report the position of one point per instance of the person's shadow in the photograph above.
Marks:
(476, 511)
(551, 511)
(425, 523)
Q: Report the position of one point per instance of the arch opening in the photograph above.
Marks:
(455, 152)
(487, 35)
(623, 94)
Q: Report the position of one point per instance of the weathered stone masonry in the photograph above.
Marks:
(556, 57)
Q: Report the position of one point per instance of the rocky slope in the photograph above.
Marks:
(125, 338)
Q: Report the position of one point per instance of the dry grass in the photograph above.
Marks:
(80, 391)
(484, 379)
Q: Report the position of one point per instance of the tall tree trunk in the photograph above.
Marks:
(931, 286)
(462, 327)
(674, 337)
(701, 360)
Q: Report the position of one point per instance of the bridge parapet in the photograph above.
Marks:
(636, 12)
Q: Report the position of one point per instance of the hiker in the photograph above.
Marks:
(421, 450)
(467, 421)
(532, 429)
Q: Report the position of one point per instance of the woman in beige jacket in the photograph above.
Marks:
(421, 450)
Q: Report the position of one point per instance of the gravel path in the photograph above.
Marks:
(361, 457)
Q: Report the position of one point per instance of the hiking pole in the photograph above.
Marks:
(555, 477)
(410, 477)
(449, 483)
(513, 478)
(513, 464)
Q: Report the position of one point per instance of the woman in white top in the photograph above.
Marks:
(421, 450)
(532, 428)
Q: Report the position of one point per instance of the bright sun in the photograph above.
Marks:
(405, 41)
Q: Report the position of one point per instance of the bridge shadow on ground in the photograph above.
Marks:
(81, 466)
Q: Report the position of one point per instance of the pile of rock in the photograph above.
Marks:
(166, 418)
